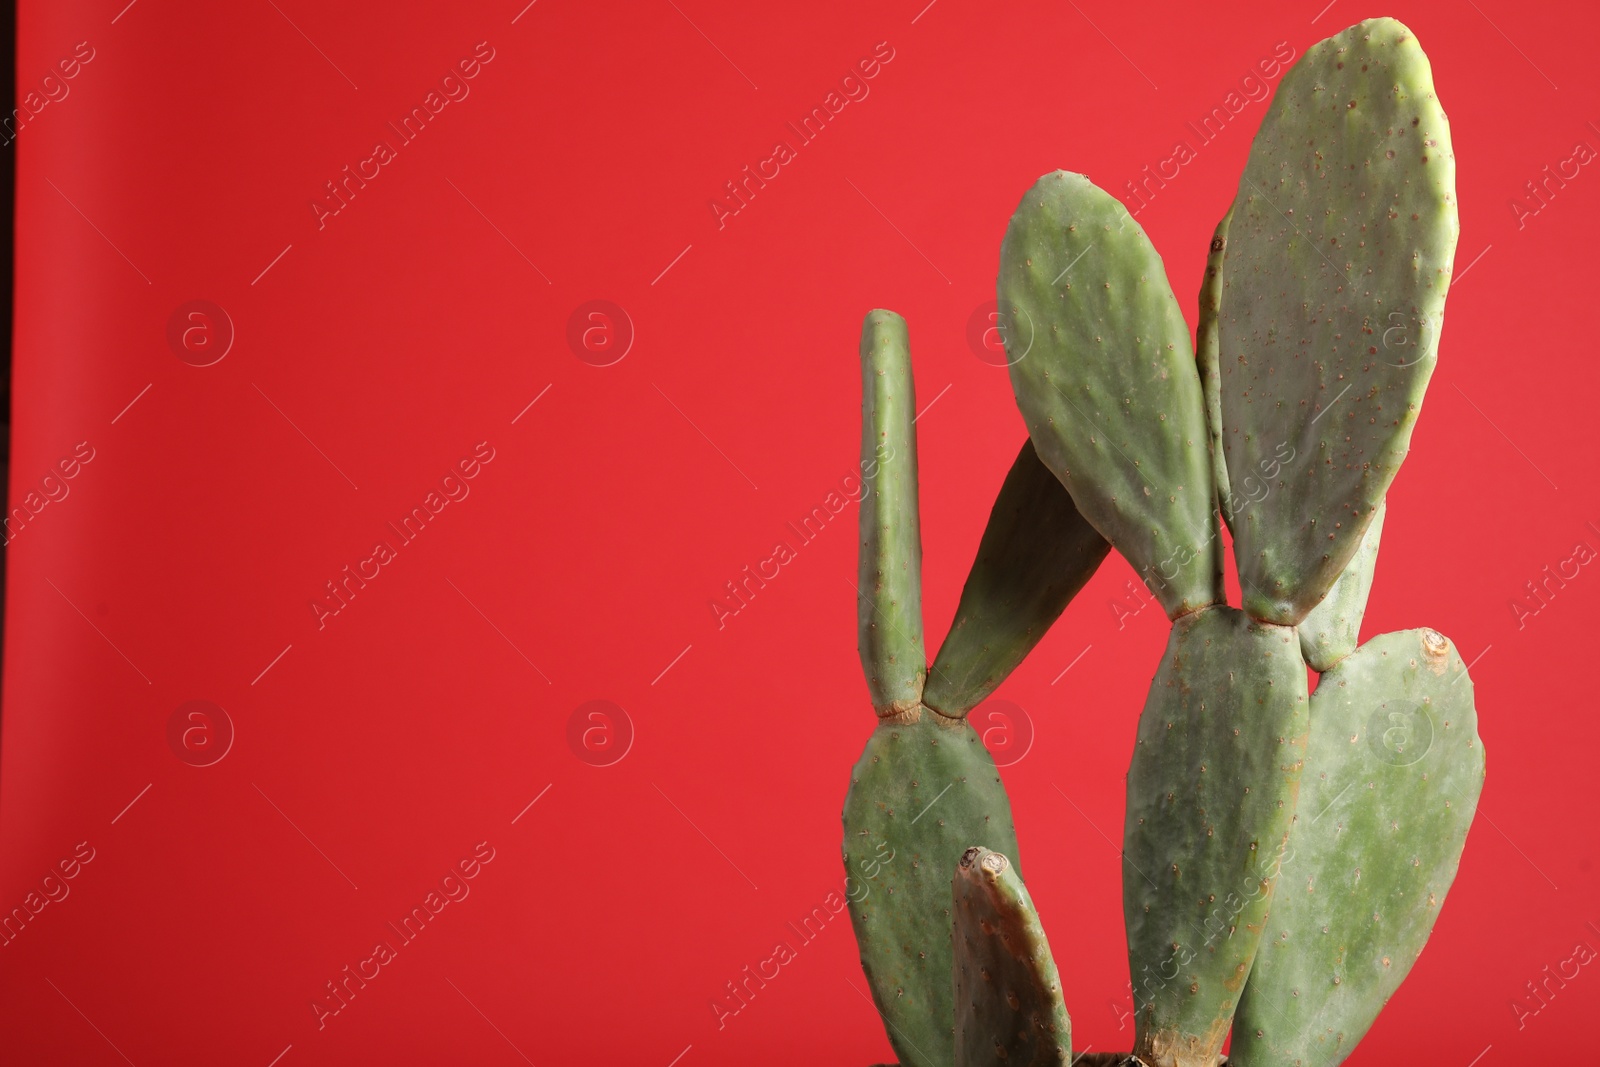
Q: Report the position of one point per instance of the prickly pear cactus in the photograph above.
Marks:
(1211, 793)
(921, 787)
(1394, 767)
(1333, 628)
(1284, 856)
(924, 787)
(1205, 357)
(1009, 1011)
(1036, 553)
(1108, 385)
(1338, 259)
(889, 596)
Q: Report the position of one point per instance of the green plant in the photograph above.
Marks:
(925, 787)
(1263, 893)
(1008, 994)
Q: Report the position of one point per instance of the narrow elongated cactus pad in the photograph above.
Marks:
(1211, 793)
(1338, 258)
(1393, 772)
(921, 793)
(1205, 357)
(1106, 381)
(1036, 553)
(1009, 1011)
(1333, 628)
(889, 590)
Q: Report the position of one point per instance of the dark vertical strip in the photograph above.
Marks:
(8, 187)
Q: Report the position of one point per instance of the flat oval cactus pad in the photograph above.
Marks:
(1393, 771)
(924, 789)
(1338, 259)
(1105, 377)
(1009, 1011)
(1211, 792)
(1037, 552)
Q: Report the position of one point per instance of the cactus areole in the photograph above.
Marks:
(1286, 849)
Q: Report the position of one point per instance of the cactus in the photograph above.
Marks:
(1007, 992)
(1338, 258)
(1108, 388)
(1332, 629)
(1036, 553)
(1110, 391)
(889, 597)
(1394, 767)
(925, 787)
(1206, 356)
(1285, 853)
(922, 790)
(1211, 792)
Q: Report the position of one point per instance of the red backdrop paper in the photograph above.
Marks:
(367, 352)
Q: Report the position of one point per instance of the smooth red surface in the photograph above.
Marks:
(379, 750)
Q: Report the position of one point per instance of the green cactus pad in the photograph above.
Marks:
(1036, 553)
(1105, 376)
(1338, 258)
(1008, 1006)
(889, 593)
(922, 792)
(1211, 794)
(1393, 771)
(1205, 357)
(1333, 628)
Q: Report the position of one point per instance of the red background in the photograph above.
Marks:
(376, 752)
